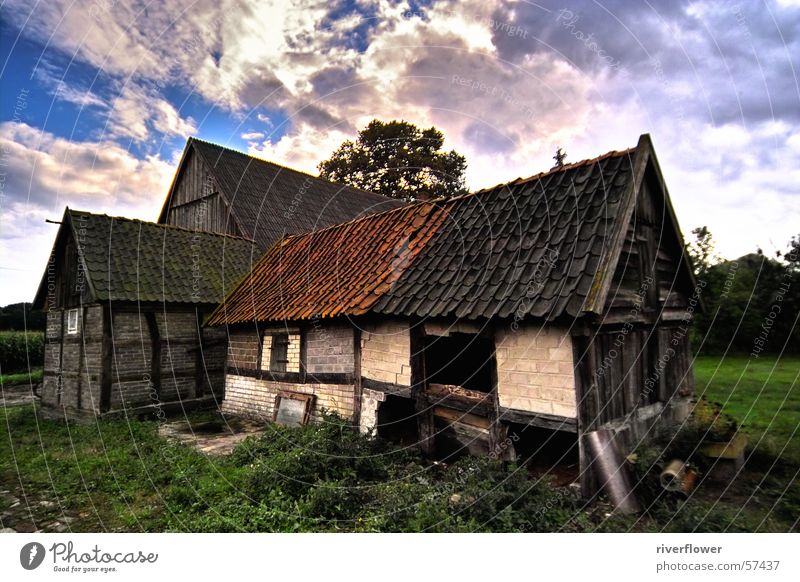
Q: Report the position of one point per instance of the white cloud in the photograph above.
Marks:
(136, 112)
(252, 136)
(46, 173)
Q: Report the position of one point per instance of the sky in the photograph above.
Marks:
(97, 98)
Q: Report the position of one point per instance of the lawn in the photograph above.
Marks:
(34, 377)
(762, 393)
(115, 475)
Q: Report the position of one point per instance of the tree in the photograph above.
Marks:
(701, 250)
(399, 160)
(560, 156)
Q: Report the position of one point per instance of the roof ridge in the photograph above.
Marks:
(556, 169)
(515, 182)
(166, 226)
(282, 167)
(367, 217)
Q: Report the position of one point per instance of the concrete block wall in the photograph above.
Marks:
(330, 349)
(386, 352)
(535, 370)
(254, 398)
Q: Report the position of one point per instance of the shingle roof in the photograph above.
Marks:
(269, 201)
(335, 271)
(531, 247)
(133, 260)
(540, 247)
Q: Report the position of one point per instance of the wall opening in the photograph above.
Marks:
(397, 420)
(460, 359)
(546, 452)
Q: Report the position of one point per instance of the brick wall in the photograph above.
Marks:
(243, 349)
(253, 398)
(329, 348)
(386, 352)
(131, 356)
(535, 370)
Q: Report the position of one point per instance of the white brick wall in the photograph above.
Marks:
(535, 370)
(253, 398)
(292, 351)
(386, 352)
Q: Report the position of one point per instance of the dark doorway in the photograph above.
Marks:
(397, 420)
(460, 359)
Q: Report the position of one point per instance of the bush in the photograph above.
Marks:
(21, 351)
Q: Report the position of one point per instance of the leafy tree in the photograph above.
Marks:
(701, 250)
(399, 160)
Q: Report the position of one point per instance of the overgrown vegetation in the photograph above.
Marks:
(21, 351)
(122, 476)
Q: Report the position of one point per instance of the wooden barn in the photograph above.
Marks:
(507, 322)
(217, 189)
(125, 302)
(125, 299)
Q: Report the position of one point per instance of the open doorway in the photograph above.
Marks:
(397, 420)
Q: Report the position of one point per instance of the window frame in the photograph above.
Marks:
(73, 329)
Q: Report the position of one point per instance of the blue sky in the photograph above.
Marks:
(98, 98)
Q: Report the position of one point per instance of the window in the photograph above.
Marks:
(281, 352)
(72, 321)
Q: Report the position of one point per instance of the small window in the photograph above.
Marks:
(281, 352)
(72, 321)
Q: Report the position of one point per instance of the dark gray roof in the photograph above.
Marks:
(133, 260)
(269, 201)
(532, 247)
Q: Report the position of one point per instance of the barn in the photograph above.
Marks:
(511, 321)
(125, 299)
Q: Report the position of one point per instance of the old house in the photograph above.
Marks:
(125, 299)
(510, 321)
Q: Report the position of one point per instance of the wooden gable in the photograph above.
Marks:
(195, 201)
(652, 279)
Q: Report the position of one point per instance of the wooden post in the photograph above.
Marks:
(155, 351)
(357, 389)
(105, 378)
(419, 383)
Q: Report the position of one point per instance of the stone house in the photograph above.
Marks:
(125, 299)
(510, 321)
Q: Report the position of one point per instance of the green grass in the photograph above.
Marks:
(763, 394)
(114, 475)
(34, 377)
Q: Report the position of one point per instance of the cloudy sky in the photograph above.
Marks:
(99, 96)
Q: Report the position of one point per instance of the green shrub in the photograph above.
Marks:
(21, 351)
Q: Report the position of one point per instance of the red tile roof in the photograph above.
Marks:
(340, 270)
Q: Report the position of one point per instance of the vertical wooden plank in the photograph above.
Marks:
(357, 388)
(105, 378)
(155, 352)
(419, 384)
